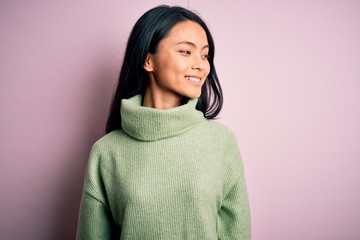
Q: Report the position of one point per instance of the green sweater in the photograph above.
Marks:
(166, 175)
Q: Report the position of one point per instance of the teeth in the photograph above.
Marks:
(193, 79)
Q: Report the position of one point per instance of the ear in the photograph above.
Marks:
(148, 64)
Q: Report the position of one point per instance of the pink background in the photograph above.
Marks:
(291, 76)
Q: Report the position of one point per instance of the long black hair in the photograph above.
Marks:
(148, 31)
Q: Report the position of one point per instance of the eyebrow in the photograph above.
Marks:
(192, 44)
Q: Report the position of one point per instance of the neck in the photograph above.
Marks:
(149, 124)
(160, 100)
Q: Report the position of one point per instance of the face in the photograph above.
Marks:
(180, 66)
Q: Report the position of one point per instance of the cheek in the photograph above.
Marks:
(207, 68)
(174, 65)
(181, 65)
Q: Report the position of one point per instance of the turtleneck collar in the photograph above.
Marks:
(150, 124)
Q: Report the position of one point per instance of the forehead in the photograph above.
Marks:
(187, 31)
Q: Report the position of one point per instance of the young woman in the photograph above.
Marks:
(165, 170)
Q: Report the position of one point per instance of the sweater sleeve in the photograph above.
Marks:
(234, 213)
(95, 219)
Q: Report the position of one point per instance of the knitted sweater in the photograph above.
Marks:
(166, 175)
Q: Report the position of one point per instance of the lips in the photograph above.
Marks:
(193, 79)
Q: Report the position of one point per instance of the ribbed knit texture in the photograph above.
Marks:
(167, 175)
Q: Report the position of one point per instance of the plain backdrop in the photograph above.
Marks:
(291, 78)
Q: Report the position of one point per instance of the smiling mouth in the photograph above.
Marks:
(193, 79)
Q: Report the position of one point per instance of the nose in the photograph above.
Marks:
(198, 64)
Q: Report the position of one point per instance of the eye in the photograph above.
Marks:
(185, 52)
(205, 56)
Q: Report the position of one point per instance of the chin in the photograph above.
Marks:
(193, 95)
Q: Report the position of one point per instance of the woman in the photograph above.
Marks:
(165, 170)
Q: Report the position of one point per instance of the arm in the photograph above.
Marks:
(234, 214)
(95, 218)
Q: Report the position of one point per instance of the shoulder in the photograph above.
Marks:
(224, 139)
(103, 152)
(234, 166)
(224, 134)
(109, 141)
(107, 146)
(220, 131)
